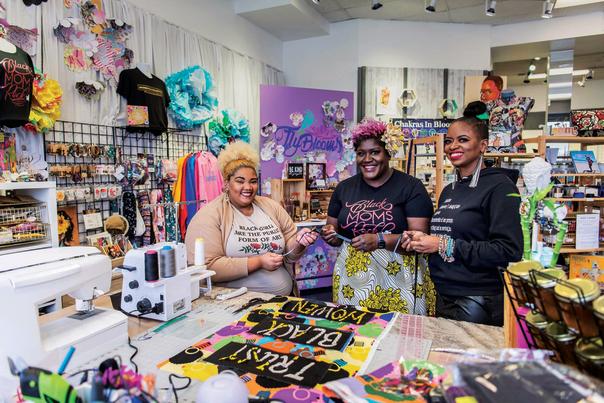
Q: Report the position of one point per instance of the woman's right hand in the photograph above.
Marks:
(408, 237)
(329, 234)
(271, 261)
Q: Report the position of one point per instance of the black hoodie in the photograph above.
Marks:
(485, 223)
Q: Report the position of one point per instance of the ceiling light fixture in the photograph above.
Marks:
(537, 58)
(560, 85)
(316, 1)
(548, 8)
(375, 5)
(431, 6)
(589, 75)
(489, 7)
(559, 97)
(532, 67)
(581, 83)
(537, 76)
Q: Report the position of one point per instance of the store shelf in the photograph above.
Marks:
(582, 199)
(574, 250)
(321, 191)
(293, 180)
(510, 155)
(595, 175)
(566, 139)
(27, 185)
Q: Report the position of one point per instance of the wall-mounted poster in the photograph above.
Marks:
(385, 101)
(303, 125)
(67, 220)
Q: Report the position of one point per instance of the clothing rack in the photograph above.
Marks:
(173, 205)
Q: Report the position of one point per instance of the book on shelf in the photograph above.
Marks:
(585, 162)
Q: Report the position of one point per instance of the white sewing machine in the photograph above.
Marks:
(165, 298)
(31, 278)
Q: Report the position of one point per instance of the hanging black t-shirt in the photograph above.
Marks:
(140, 90)
(364, 209)
(16, 86)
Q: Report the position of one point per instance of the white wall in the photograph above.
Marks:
(537, 92)
(590, 96)
(331, 62)
(217, 21)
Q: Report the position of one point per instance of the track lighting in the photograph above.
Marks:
(548, 8)
(316, 1)
(532, 67)
(376, 5)
(489, 7)
(431, 6)
(589, 75)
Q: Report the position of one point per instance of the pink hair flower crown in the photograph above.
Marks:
(387, 133)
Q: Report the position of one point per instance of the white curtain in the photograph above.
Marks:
(166, 47)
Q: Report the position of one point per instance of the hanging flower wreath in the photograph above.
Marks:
(192, 98)
(46, 103)
(226, 128)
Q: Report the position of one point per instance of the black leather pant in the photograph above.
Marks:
(487, 309)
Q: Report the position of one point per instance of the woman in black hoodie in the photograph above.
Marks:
(475, 230)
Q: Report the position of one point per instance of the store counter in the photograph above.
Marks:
(158, 341)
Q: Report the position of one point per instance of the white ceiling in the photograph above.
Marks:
(455, 11)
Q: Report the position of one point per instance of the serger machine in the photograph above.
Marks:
(29, 279)
(157, 284)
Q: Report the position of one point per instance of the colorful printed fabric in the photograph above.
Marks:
(507, 115)
(390, 383)
(129, 211)
(170, 212)
(588, 120)
(383, 281)
(143, 200)
(159, 221)
(279, 336)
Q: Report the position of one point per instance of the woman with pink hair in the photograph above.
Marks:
(367, 216)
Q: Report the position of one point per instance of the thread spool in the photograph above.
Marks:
(200, 255)
(167, 260)
(151, 266)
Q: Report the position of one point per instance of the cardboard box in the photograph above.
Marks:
(587, 266)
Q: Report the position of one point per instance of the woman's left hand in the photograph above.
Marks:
(306, 237)
(365, 242)
(425, 244)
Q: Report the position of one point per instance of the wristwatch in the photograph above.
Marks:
(381, 242)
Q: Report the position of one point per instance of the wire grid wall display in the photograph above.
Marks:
(82, 158)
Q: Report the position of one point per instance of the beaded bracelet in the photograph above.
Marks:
(446, 247)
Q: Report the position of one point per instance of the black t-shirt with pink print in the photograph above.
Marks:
(363, 209)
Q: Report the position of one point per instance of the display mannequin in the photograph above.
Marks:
(145, 68)
(144, 95)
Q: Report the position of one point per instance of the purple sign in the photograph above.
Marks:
(305, 125)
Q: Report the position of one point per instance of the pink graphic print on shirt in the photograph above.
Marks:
(369, 217)
(17, 81)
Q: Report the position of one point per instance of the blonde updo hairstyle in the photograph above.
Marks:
(237, 155)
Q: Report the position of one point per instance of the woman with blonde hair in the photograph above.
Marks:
(250, 240)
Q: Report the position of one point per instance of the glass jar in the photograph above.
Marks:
(563, 341)
(576, 308)
(544, 297)
(536, 324)
(598, 307)
(590, 356)
(519, 274)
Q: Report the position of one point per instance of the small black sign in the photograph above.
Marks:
(295, 170)
(288, 368)
(336, 313)
(301, 333)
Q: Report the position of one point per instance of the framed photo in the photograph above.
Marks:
(295, 170)
(316, 177)
(113, 251)
(100, 240)
(585, 161)
(67, 221)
